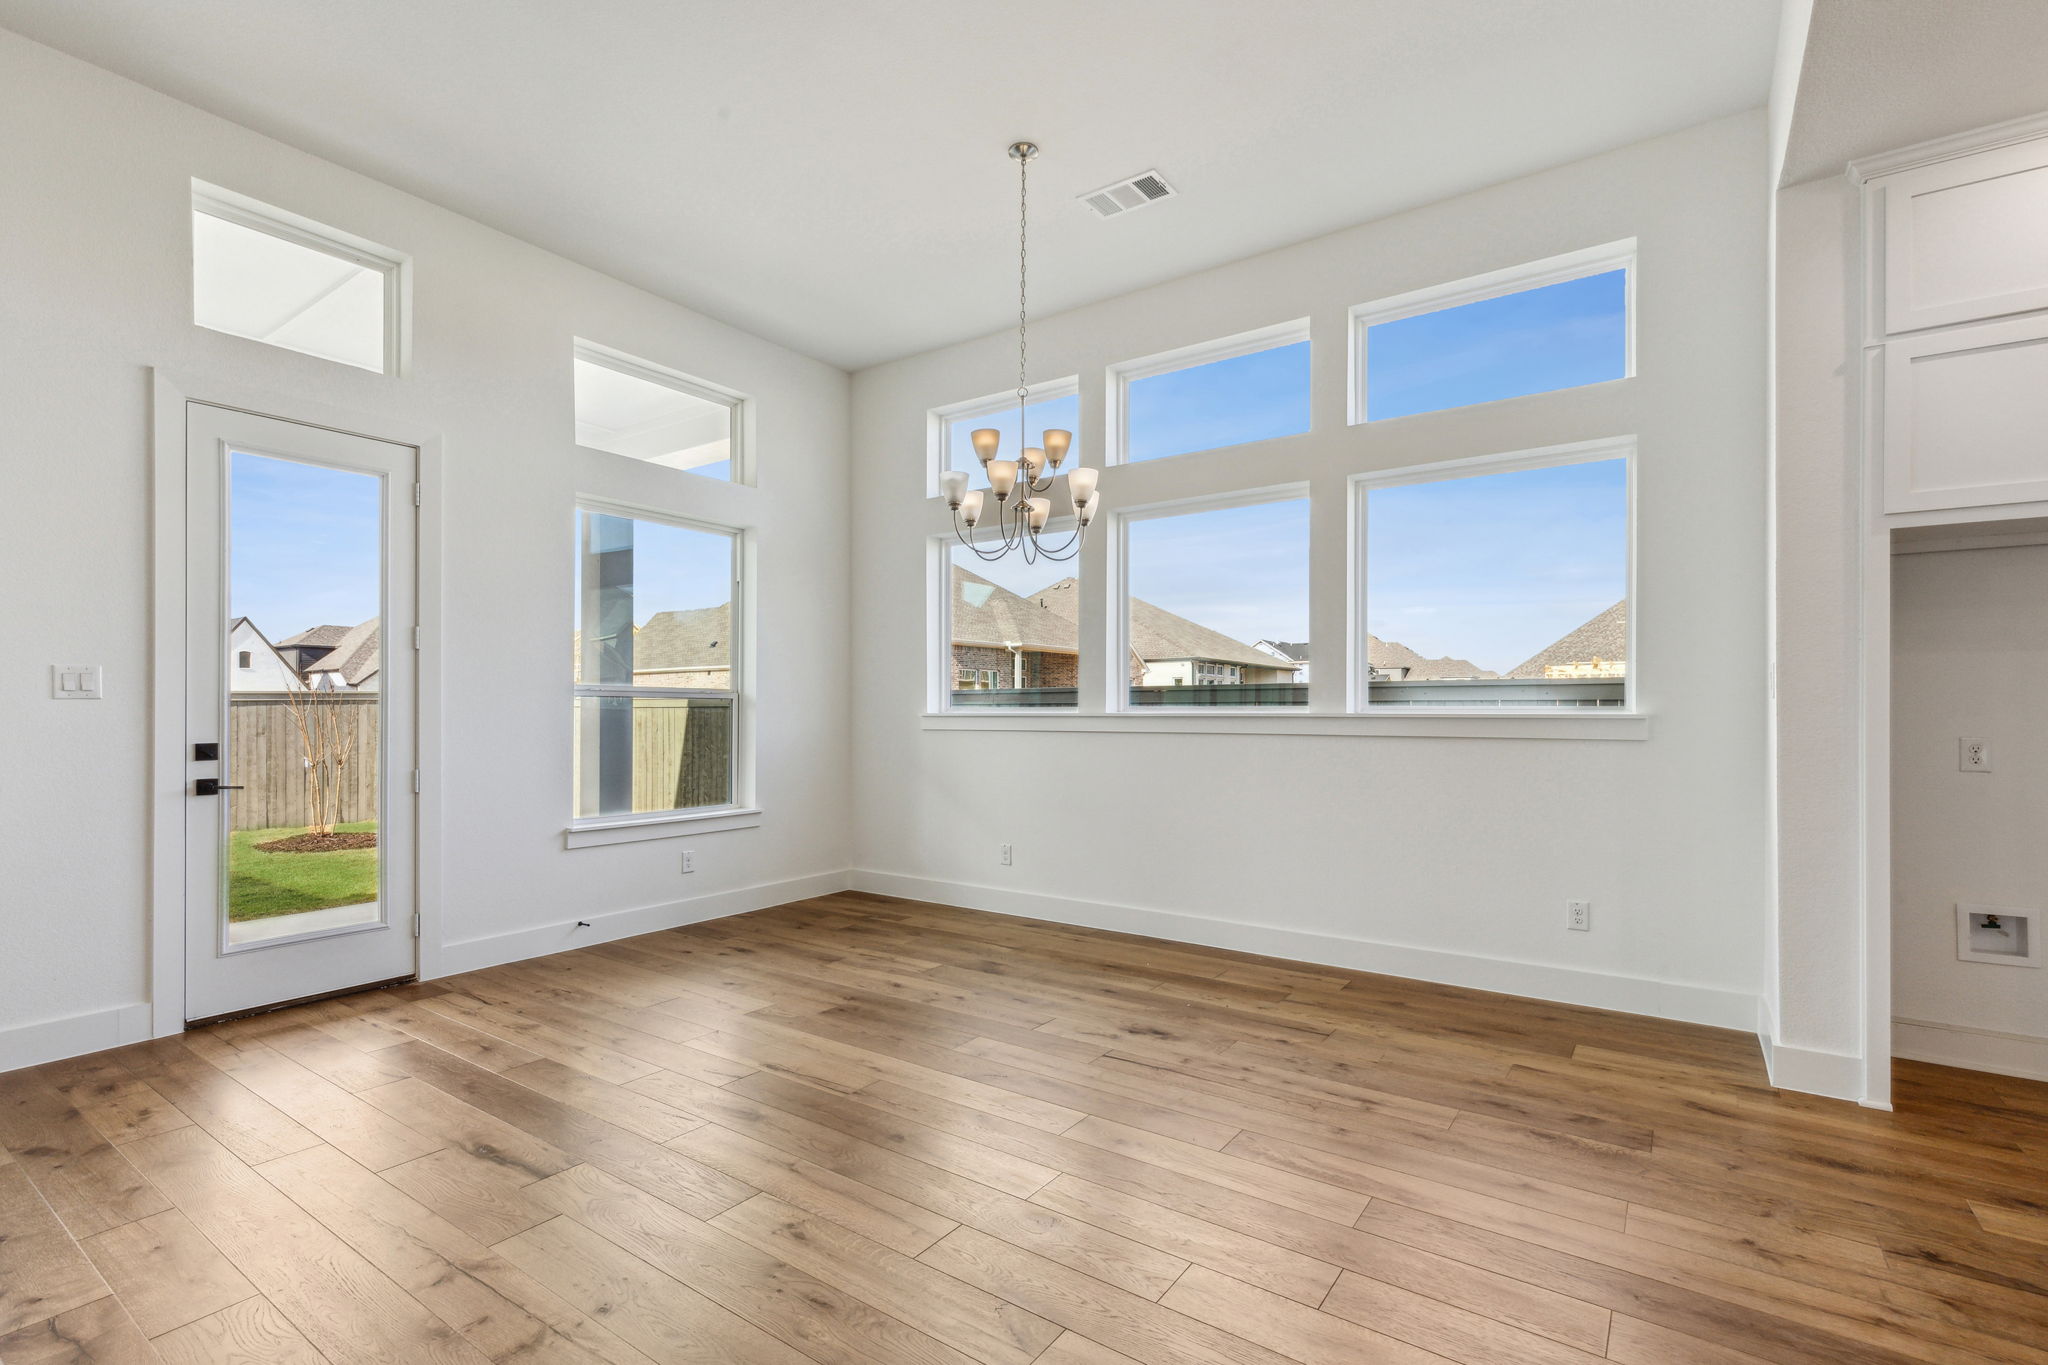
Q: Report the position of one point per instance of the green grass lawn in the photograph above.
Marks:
(261, 884)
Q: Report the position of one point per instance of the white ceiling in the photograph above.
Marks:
(831, 174)
(1883, 74)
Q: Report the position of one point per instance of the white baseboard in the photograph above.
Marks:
(1837, 1075)
(1977, 1049)
(495, 950)
(54, 1039)
(1685, 1001)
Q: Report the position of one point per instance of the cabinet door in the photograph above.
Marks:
(1966, 417)
(1967, 239)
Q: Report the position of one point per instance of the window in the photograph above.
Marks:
(656, 661)
(1011, 630)
(1200, 587)
(1556, 324)
(270, 276)
(1222, 393)
(1052, 406)
(242, 659)
(633, 408)
(1500, 582)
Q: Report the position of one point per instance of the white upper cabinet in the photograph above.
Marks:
(1966, 239)
(1966, 416)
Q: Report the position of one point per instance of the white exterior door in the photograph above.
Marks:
(300, 711)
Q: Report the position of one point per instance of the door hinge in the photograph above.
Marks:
(415, 924)
(415, 780)
(415, 495)
(416, 637)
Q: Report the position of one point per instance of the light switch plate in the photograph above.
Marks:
(75, 682)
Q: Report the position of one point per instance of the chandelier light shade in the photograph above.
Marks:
(1018, 486)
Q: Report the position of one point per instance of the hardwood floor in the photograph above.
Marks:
(865, 1130)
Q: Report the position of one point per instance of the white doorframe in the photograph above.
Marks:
(168, 769)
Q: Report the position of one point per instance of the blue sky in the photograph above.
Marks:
(1489, 569)
(306, 544)
(1494, 567)
(676, 568)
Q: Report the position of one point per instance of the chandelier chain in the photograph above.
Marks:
(1023, 278)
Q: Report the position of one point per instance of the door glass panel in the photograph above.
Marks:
(303, 679)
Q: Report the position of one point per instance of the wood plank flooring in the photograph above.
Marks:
(857, 1129)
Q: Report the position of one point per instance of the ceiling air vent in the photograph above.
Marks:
(1146, 188)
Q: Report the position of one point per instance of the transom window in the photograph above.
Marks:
(272, 276)
(657, 656)
(638, 409)
(1253, 387)
(1555, 324)
(1050, 406)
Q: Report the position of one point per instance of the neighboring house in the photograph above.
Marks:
(352, 665)
(1296, 654)
(690, 648)
(685, 649)
(309, 647)
(1392, 661)
(1598, 649)
(254, 664)
(1001, 640)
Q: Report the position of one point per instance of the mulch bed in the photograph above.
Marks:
(321, 843)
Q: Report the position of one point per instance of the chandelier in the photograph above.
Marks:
(1019, 485)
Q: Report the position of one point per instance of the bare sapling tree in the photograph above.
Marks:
(327, 724)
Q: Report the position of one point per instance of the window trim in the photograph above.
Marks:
(939, 419)
(1358, 675)
(396, 267)
(1117, 380)
(1494, 284)
(1116, 685)
(739, 407)
(743, 801)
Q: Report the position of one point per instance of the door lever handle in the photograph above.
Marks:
(211, 786)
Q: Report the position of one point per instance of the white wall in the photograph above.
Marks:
(94, 282)
(1817, 538)
(1970, 653)
(1440, 857)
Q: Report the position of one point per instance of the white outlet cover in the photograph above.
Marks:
(1963, 748)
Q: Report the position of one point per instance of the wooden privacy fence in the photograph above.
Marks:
(266, 757)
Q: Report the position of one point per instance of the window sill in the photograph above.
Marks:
(597, 833)
(1214, 721)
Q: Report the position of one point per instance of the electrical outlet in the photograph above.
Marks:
(1973, 755)
(1006, 855)
(689, 861)
(1578, 915)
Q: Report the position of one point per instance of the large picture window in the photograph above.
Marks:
(657, 656)
(1498, 583)
(1555, 324)
(1012, 631)
(1215, 607)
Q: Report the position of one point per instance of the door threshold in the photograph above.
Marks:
(255, 1010)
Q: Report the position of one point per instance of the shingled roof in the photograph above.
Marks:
(985, 614)
(1157, 634)
(1394, 656)
(1605, 638)
(355, 656)
(694, 639)
(316, 637)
